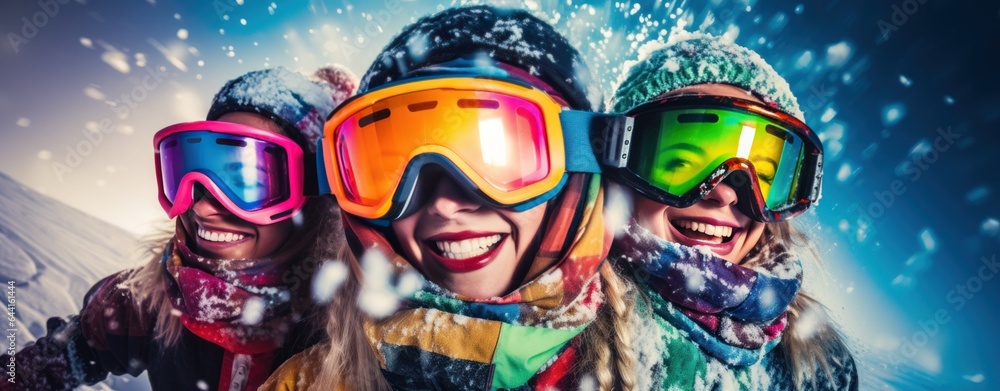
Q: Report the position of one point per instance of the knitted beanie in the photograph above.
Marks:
(298, 104)
(698, 58)
(512, 37)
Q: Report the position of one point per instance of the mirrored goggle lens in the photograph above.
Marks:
(500, 138)
(251, 172)
(678, 149)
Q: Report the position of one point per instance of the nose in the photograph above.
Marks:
(722, 195)
(206, 204)
(448, 200)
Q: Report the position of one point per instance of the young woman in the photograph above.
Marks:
(222, 302)
(717, 160)
(468, 163)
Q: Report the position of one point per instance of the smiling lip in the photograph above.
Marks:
(220, 243)
(721, 249)
(472, 263)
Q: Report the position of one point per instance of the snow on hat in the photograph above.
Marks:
(698, 58)
(295, 102)
(512, 37)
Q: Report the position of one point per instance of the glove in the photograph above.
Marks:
(46, 364)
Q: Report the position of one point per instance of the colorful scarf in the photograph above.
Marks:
(212, 295)
(442, 340)
(735, 313)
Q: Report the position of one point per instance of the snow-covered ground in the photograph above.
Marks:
(53, 254)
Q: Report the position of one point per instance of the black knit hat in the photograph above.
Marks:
(295, 102)
(512, 37)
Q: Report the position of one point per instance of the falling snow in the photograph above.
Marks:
(330, 276)
(893, 113)
(905, 81)
(838, 54)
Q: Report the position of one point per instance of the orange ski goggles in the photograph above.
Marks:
(504, 141)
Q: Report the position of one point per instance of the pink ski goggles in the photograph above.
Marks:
(255, 174)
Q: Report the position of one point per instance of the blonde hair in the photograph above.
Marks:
(146, 283)
(350, 361)
(613, 363)
(821, 345)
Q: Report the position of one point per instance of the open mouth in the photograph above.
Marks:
(467, 248)
(713, 234)
(219, 236)
(466, 254)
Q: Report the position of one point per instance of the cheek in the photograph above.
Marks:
(527, 223)
(271, 237)
(190, 226)
(752, 238)
(404, 230)
(526, 228)
(652, 216)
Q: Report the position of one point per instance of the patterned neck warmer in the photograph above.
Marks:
(442, 340)
(735, 313)
(242, 305)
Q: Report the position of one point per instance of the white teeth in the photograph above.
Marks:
(708, 229)
(218, 237)
(467, 248)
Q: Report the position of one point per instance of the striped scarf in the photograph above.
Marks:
(245, 306)
(213, 295)
(442, 340)
(716, 319)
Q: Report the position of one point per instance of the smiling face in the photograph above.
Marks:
(715, 221)
(467, 247)
(218, 233)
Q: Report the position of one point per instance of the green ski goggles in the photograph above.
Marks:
(676, 150)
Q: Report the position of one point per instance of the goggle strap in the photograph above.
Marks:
(323, 182)
(618, 136)
(578, 126)
(817, 190)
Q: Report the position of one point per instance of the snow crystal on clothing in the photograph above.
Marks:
(694, 278)
(671, 65)
(648, 342)
(553, 276)
(212, 306)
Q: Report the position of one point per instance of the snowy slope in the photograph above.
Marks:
(54, 253)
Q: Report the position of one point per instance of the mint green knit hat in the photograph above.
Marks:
(699, 58)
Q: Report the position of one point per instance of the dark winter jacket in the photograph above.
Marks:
(842, 368)
(112, 335)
